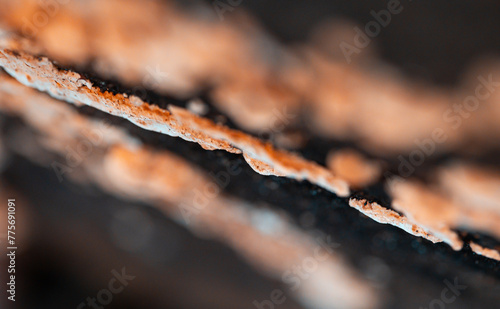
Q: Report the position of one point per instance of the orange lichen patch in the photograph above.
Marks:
(489, 253)
(428, 209)
(388, 216)
(352, 166)
(269, 159)
(72, 87)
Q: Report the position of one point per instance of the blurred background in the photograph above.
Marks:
(434, 41)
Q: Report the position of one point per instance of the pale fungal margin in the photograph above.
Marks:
(388, 216)
(120, 165)
(489, 253)
(41, 74)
